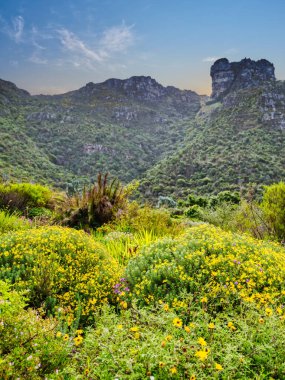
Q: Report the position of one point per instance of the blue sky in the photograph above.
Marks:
(53, 46)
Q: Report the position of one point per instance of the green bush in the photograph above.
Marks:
(217, 268)
(23, 196)
(12, 222)
(29, 348)
(59, 267)
(193, 212)
(273, 207)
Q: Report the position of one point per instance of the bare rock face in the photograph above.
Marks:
(227, 76)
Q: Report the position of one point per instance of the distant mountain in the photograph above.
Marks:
(237, 137)
(120, 126)
(174, 141)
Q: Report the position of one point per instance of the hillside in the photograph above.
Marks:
(237, 137)
(173, 141)
(120, 126)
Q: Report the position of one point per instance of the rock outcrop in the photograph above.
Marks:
(227, 76)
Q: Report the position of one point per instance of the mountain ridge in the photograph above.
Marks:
(136, 128)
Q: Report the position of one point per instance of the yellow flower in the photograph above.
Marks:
(204, 300)
(161, 364)
(173, 370)
(163, 343)
(202, 342)
(134, 329)
(187, 329)
(58, 334)
(137, 335)
(231, 326)
(202, 355)
(192, 377)
(211, 325)
(166, 307)
(218, 367)
(168, 338)
(86, 372)
(119, 327)
(177, 322)
(65, 337)
(261, 320)
(124, 304)
(268, 311)
(78, 340)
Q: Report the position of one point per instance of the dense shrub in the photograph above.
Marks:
(59, 267)
(136, 219)
(12, 222)
(29, 348)
(23, 196)
(273, 207)
(218, 268)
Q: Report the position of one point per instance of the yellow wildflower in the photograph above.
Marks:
(202, 355)
(177, 322)
(231, 326)
(173, 370)
(202, 342)
(78, 340)
(65, 337)
(211, 326)
(218, 367)
(134, 329)
(119, 327)
(187, 329)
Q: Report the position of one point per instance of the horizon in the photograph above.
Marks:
(52, 48)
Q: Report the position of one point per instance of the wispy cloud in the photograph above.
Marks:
(210, 59)
(72, 43)
(113, 40)
(18, 26)
(36, 58)
(15, 29)
(117, 38)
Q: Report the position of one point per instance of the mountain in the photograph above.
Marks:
(174, 141)
(120, 126)
(237, 137)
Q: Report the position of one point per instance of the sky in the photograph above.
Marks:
(54, 46)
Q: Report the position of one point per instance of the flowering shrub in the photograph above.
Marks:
(28, 347)
(219, 269)
(59, 267)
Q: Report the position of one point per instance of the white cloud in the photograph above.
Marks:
(18, 28)
(117, 38)
(72, 43)
(112, 41)
(210, 59)
(36, 58)
(14, 31)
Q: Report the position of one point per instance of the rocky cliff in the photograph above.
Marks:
(228, 76)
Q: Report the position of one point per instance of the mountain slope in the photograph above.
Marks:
(235, 140)
(120, 126)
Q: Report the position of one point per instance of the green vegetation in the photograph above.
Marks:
(145, 295)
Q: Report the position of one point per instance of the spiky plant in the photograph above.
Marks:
(97, 205)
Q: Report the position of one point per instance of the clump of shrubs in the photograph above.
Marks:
(59, 267)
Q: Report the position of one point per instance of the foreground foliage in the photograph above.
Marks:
(220, 269)
(59, 267)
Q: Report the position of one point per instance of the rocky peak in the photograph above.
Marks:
(247, 73)
(9, 89)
